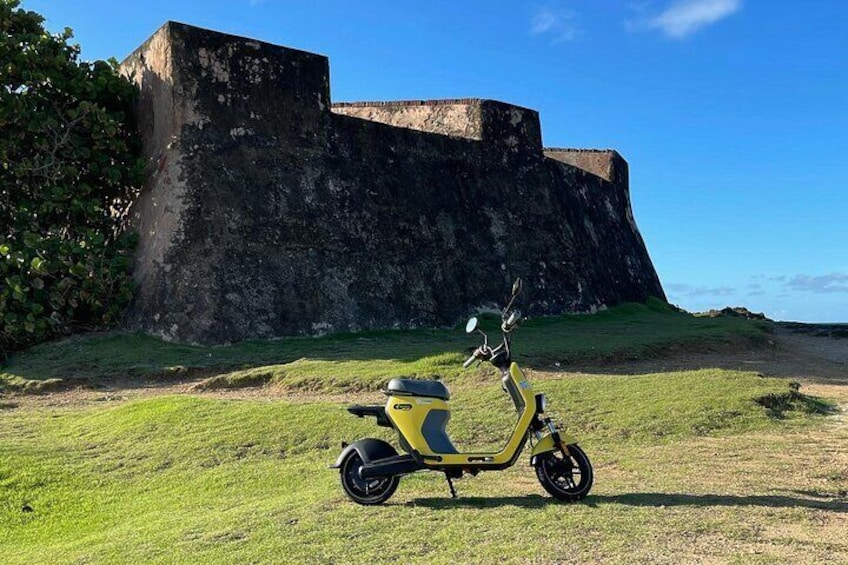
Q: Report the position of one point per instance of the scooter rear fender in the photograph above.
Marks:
(369, 449)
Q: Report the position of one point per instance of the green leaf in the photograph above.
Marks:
(31, 240)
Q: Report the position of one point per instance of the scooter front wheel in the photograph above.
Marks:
(365, 491)
(565, 478)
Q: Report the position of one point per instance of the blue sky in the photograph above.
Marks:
(733, 114)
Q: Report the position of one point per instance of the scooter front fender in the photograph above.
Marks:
(369, 449)
(546, 444)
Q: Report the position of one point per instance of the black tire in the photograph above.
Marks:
(569, 479)
(365, 491)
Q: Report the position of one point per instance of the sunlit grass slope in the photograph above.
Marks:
(182, 479)
(364, 361)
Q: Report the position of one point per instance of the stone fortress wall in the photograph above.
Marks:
(268, 210)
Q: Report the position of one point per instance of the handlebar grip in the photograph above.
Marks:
(469, 361)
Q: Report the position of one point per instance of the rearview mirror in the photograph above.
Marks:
(471, 325)
(516, 286)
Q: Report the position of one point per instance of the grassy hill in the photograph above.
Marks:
(681, 458)
(363, 361)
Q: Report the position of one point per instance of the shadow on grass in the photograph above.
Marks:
(658, 499)
(823, 494)
(643, 499)
(446, 503)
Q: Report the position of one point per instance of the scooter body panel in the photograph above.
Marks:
(414, 418)
(409, 414)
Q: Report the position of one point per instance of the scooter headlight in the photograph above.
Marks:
(541, 403)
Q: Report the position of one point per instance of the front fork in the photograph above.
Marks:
(548, 438)
(559, 443)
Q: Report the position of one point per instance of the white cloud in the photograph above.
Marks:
(681, 289)
(685, 17)
(555, 22)
(820, 284)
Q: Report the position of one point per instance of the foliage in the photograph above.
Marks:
(69, 168)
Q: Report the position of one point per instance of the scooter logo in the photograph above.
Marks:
(424, 401)
(524, 384)
(402, 407)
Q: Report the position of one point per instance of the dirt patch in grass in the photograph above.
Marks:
(804, 357)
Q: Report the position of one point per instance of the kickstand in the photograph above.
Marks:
(450, 484)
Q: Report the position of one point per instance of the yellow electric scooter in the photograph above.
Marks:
(419, 410)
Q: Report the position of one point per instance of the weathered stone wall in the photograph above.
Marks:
(471, 118)
(605, 163)
(270, 212)
(457, 118)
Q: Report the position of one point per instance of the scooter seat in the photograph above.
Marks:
(418, 387)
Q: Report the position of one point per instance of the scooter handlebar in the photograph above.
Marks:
(469, 361)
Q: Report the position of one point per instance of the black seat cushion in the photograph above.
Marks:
(416, 387)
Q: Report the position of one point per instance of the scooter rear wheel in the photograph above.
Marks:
(569, 479)
(365, 491)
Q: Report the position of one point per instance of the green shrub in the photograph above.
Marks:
(69, 169)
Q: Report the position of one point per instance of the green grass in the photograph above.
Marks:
(182, 479)
(710, 465)
(363, 361)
